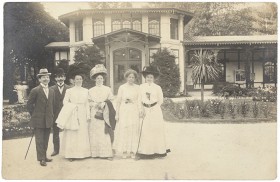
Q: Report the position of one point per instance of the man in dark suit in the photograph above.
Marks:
(40, 106)
(59, 91)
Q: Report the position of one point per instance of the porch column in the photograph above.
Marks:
(107, 62)
(108, 24)
(181, 28)
(145, 24)
(147, 61)
(87, 29)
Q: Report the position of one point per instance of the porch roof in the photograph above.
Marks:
(83, 12)
(150, 37)
(229, 40)
(58, 45)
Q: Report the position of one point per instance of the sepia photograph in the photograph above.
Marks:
(139, 90)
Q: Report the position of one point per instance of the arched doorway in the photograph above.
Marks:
(124, 59)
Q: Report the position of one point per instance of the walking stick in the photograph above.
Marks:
(29, 145)
(140, 134)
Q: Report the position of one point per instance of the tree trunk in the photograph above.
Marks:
(202, 90)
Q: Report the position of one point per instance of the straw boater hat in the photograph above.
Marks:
(43, 72)
(150, 70)
(98, 69)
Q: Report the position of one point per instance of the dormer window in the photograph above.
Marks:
(79, 31)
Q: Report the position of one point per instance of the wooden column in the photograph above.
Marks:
(107, 62)
(147, 61)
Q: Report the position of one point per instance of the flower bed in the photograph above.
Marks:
(15, 121)
(219, 110)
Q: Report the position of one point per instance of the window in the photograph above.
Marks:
(154, 27)
(136, 25)
(269, 72)
(152, 52)
(116, 25)
(222, 76)
(239, 76)
(98, 28)
(79, 31)
(126, 24)
(174, 29)
(176, 54)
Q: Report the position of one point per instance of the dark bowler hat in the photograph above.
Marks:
(43, 72)
(150, 70)
(59, 72)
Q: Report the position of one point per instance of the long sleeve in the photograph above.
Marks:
(88, 106)
(119, 98)
(66, 97)
(110, 96)
(31, 101)
(160, 95)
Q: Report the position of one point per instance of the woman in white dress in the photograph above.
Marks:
(127, 116)
(75, 143)
(100, 140)
(152, 141)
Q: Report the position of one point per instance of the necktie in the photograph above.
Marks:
(46, 90)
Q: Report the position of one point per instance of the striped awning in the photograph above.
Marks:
(230, 40)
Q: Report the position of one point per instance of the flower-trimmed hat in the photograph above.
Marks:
(97, 69)
(43, 72)
(150, 70)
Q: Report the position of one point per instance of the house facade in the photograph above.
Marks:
(128, 38)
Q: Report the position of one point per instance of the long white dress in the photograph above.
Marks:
(127, 127)
(100, 142)
(152, 137)
(75, 143)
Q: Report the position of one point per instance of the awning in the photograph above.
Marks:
(58, 45)
(231, 40)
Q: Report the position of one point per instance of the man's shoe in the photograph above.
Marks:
(54, 153)
(43, 163)
(48, 160)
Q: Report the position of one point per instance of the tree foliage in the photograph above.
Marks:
(27, 30)
(204, 68)
(169, 78)
(85, 58)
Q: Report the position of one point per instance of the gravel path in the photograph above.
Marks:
(198, 151)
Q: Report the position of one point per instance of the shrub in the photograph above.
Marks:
(169, 79)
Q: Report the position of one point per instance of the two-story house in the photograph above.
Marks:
(127, 37)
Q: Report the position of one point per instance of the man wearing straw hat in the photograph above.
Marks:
(40, 106)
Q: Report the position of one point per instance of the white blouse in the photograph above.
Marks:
(150, 93)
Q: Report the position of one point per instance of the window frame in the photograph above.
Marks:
(94, 27)
(79, 30)
(174, 35)
(154, 22)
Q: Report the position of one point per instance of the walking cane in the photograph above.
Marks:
(29, 145)
(140, 134)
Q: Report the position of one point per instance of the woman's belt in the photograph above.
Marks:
(149, 105)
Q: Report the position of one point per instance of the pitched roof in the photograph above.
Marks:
(226, 40)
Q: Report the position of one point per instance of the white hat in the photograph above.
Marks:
(97, 69)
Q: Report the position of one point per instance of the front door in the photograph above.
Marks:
(125, 59)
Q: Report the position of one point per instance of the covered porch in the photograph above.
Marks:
(125, 49)
(248, 61)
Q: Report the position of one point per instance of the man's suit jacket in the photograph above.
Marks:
(41, 108)
(58, 103)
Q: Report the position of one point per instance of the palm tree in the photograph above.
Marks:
(204, 68)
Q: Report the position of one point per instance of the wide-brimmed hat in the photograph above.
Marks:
(43, 72)
(150, 70)
(97, 69)
(59, 72)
